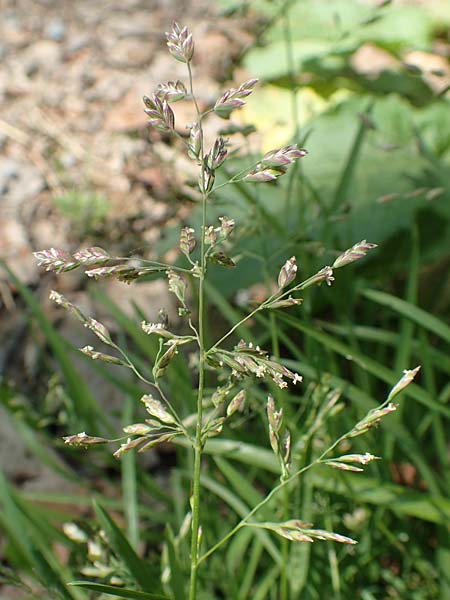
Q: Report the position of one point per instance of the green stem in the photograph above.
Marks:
(198, 444)
(284, 551)
(129, 482)
(198, 433)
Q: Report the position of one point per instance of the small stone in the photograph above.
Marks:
(55, 30)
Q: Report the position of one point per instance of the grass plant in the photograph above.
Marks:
(227, 376)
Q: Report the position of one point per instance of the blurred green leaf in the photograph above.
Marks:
(117, 591)
(410, 311)
(121, 546)
(85, 408)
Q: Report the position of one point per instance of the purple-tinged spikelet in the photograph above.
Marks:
(356, 252)
(55, 259)
(232, 99)
(180, 43)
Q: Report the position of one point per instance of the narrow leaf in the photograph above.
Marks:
(116, 591)
(120, 544)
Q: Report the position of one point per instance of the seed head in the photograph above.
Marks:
(287, 273)
(83, 439)
(160, 113)
(71, 308)
(237, 403)
(55, 259)
(408, 377)
(187, 240)
(210, 234)
(286, 448)
(217, 154)
(285, 303)
(89, 351)
(74, 533)
(99, 329)
(274, 417)
(195, 142)
(356, 252)
(343, 467)
(263, 175)
(283, 157)
(172, 91)
(137, 429)
(180, 43)
(325, 274)
(157, 328)
(177, 285)
(362, 459)
(232, 99)
(92, 256)
(129, 445)
(372, 418)
(122, 272)
(163, 362)
(156, 409)
(222, 259)
(206, 178)
(226, 226)
(275, 163)
(320, 534)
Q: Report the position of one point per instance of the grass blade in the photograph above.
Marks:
(251, 565)
(177, 582)
(350, 164)
(414, 313)
(116, 591)
(34, 546)
(399, 499)
(246, 453)
(370, 365)
(136, 566)
(241, 485)
(85, 407)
